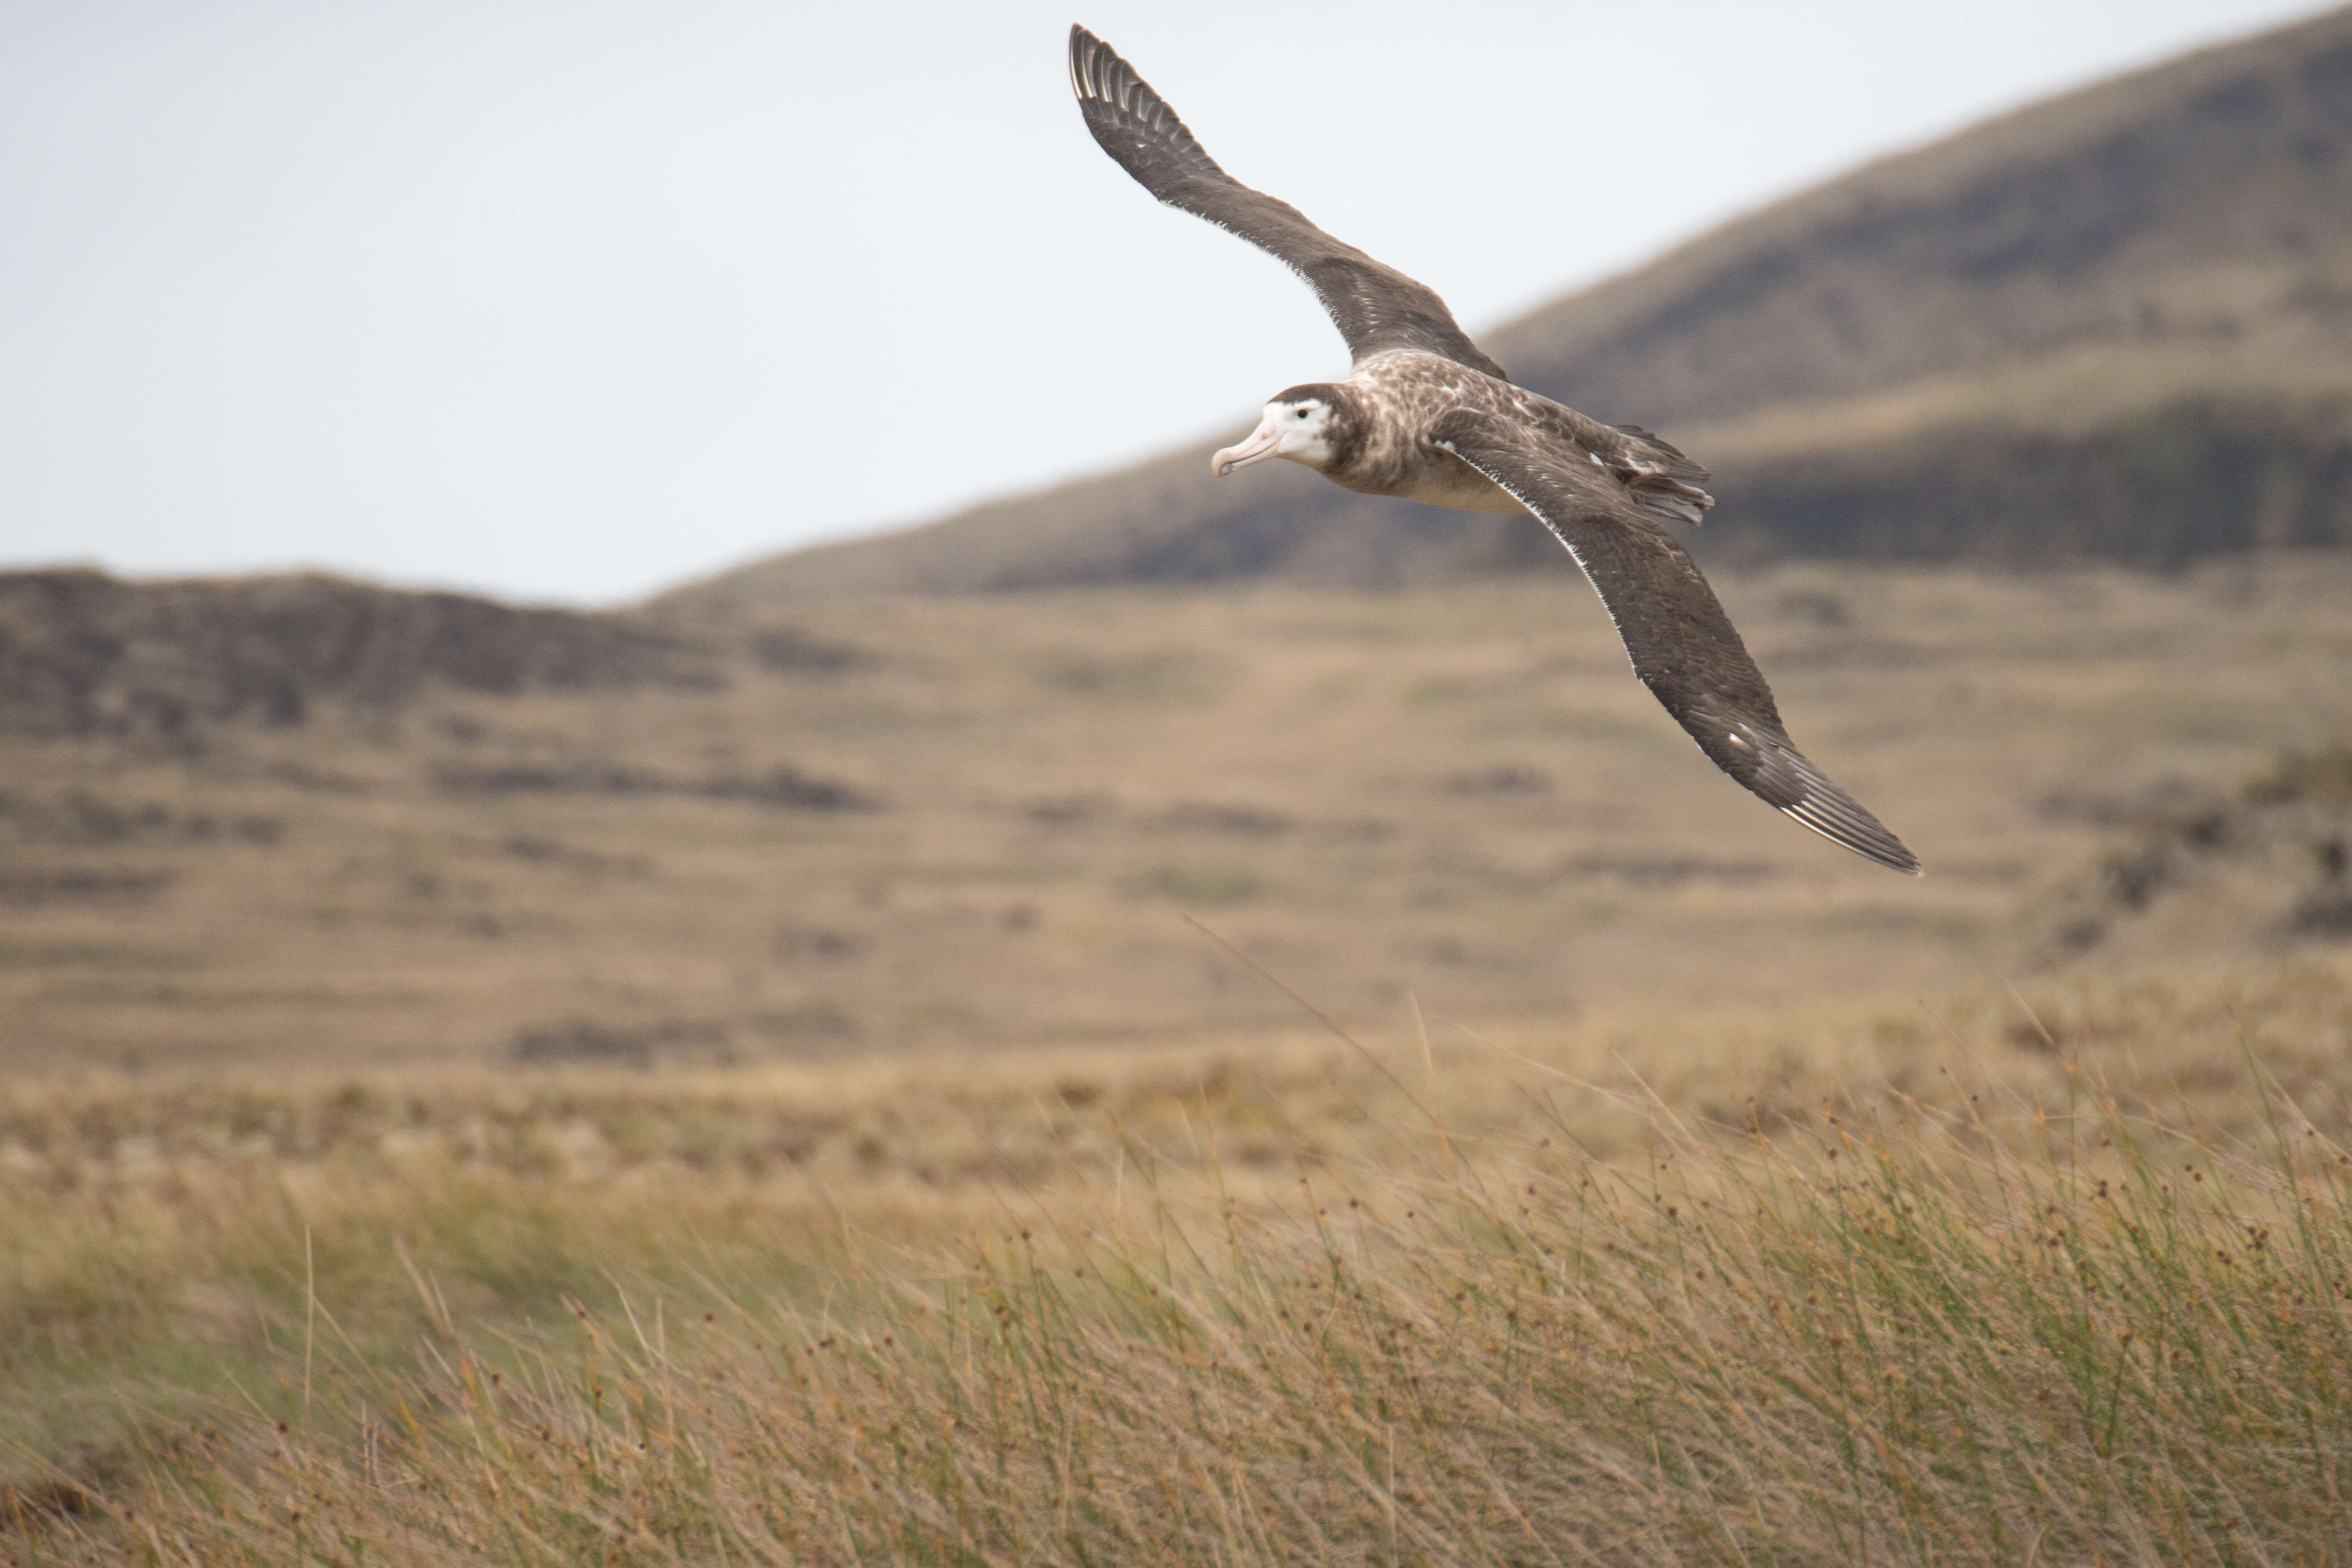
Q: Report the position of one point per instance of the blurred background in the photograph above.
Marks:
(572, 302)
(2029, 402)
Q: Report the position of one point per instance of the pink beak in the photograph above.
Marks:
(1256, 449)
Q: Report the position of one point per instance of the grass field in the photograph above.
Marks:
(1123, 1078)
(981, 822)
(2067, 1266)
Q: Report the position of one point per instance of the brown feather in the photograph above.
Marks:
(1376, 308)
(1682, 645)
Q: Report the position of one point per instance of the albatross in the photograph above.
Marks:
(1424, 415)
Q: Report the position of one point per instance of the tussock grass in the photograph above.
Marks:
(1988, 1327)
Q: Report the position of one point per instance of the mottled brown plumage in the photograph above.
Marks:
(1424, 415)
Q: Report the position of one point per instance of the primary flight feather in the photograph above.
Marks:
(1423, 413)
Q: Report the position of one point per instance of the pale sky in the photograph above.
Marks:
(572, 300)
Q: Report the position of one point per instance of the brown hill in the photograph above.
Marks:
(957, 822)
(2115, 324)
(83, 653)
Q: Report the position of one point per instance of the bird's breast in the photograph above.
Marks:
(1441, 478)
(1399, 397)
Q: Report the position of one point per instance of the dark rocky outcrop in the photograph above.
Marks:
(85, 654)
(2264, 867)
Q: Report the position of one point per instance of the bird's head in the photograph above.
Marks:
(1307, 424)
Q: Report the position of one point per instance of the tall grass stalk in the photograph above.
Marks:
(1924, 1340)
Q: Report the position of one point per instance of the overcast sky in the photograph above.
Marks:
(573, 300)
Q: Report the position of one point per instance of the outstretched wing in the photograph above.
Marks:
(1682, 645)
(1375, 307)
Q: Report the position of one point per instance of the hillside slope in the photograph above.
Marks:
(2115, 324)
(852, 825)
(85, 655)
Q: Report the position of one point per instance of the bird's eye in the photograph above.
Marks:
(1302, 414)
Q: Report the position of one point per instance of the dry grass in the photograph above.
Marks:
(1457, 792)
(1764, 1357)
(604, 1128)
(1930, 1285)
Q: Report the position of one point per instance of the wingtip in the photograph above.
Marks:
(1087, 49)
(1096, 69)
(1855, 829)
(1846, 821)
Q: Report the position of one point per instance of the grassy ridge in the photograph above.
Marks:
(977, 822)
(2083, 1297)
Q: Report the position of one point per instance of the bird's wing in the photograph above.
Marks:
(1682, 645)
(1375, 307)
(1663, 481)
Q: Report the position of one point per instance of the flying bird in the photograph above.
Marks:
(1423, 413)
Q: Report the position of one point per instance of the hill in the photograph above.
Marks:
(2117, 324)
(281, 821)
(83, 653)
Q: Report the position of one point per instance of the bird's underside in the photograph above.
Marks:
(1429, 402)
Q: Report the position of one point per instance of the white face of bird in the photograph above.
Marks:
(1298, 429)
